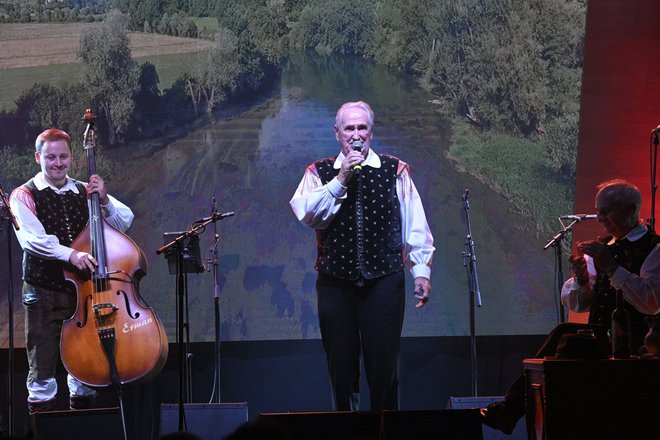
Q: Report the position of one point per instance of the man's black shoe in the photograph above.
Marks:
(497, 416)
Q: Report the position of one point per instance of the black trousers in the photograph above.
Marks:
(362, 321)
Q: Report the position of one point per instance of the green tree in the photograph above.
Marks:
(403, 34)
(37, 108)
(341, 26)
(269, 31)
(14, 166)
(219, 74)
(109, 72)
(147, 114)
(562, 142)
(504, 63)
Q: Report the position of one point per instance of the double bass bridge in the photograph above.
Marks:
(103, 310)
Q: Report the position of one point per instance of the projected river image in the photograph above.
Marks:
(252, 159)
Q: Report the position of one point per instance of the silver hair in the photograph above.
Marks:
(622, 193)
(357, 104)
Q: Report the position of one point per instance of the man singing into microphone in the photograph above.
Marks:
(369, 222)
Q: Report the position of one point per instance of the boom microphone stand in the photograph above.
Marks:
(470, 264)
(654, 167)
(213, 261)
(7, 215)
(556, 242)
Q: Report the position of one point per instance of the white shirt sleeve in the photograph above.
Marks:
(578, 298)
(117, 214)
(643, 290)
(32, 235)
(314, 204)
(416, 234)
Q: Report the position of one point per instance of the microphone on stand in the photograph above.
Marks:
(216, 216)
(579, 217)
(4, 202)
(357, 146)
(212, 258)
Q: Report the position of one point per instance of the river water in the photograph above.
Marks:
(252, 159)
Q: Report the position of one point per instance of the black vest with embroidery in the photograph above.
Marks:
(364, 238)
(630, 255)
(64, 216)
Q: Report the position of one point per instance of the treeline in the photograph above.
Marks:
(163, 17)
(127, 96)
(40, 11)
(144, 16)
(506, 65)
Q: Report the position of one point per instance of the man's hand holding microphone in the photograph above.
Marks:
(351, 164)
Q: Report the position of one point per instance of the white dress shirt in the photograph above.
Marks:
(33, 237)
(642, 291)
(315, 205)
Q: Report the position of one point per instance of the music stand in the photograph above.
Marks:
(178, 247)
(190, 251)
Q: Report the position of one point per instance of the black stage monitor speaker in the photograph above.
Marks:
(386, 425)
(99, 424)
(520, 433)
(331, 425)
(431, 425)
(210, 421)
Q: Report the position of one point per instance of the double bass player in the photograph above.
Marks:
(52, 209)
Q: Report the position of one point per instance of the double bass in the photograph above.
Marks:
(113, 338)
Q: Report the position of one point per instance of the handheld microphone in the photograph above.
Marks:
(579, 217)
(357, 146)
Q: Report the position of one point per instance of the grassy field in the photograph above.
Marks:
(515, 168)
(31, 53)
(206, 25)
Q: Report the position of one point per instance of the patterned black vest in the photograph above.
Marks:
(63, 215)
(364, 238)
(630, 255)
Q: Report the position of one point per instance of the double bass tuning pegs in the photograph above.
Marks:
(89, 117)
(89, 138)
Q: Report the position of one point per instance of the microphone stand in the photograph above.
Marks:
(8, 216)
(654, 166)
(556, 242)
(470, 264)
(213, 260)
(197, 228)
